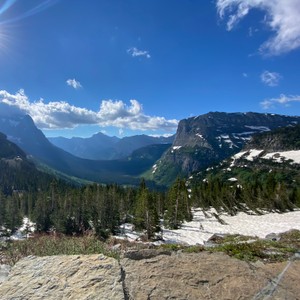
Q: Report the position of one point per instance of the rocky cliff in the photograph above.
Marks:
(174, 276)
(208, 139)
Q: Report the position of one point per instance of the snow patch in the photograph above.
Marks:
(260, 128)
(24, 231)
(279, 157)
(205, 225)
(232, 179)
(154, 168)
(253, 153)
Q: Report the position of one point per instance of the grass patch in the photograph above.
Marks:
(193, 249)
(46, 245)
(258, 250)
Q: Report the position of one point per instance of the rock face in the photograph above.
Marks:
(4, 271)
(64, 277)
(208, 139)
(208, 276)
(186, 276)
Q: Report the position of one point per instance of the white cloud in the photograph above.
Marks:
(270, 78)
(245, 75)
(134, 52)
(74, 83)
(282, 17)
(282, 100)
(60, 114)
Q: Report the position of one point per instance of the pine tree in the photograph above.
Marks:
(178, 205)
(146, 216)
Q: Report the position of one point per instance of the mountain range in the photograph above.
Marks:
(103, 147)
(199, 142)
(21, 130)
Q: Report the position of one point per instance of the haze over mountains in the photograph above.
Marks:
(22, 131)
(101, 146)
(199, 143)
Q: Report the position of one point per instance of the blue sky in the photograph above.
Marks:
(127, 67)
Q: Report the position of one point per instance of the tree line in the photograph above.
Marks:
(96, 208)
(101, 209)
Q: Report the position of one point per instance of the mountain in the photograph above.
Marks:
(9, 150)
(208, 139)
(103, 147)
(264, 174)
(17, 173)
(22, 131)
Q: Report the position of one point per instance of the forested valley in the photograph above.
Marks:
(101, 209)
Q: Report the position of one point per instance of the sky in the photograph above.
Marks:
(125, 67)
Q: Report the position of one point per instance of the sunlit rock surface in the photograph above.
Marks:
(178, 275)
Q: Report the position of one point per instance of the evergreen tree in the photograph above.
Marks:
(178, 205)
(146, 216)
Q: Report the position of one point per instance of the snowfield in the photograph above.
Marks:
(293, 155)
(279, 157)
(202, 227)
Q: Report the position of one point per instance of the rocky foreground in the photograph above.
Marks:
(150, 274)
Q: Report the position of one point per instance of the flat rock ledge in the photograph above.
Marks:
(64, 277)
(184, 276)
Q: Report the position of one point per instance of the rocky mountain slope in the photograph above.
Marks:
(103, 147)
(208, 139)
(17, 173)
(265, 174)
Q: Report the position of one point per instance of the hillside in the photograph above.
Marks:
(17, 173)
(210, 138)
(264, 175)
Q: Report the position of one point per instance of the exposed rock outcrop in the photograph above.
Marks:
(64, 277)
(208, 276)
(178, 276)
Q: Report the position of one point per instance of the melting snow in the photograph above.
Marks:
(176, 147)
(25, 230)
(261, 128)
(202, 227)
(253, 153)
(239, 155)
(279, 156)
(232, 179)
(154, 168)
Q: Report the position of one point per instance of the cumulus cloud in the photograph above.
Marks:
(60, 114)
(282, 100)
(135, 52)
(282, 17)
(74, 83)
(270, 78)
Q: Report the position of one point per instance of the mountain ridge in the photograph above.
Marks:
(208, 139)
(103, 147)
